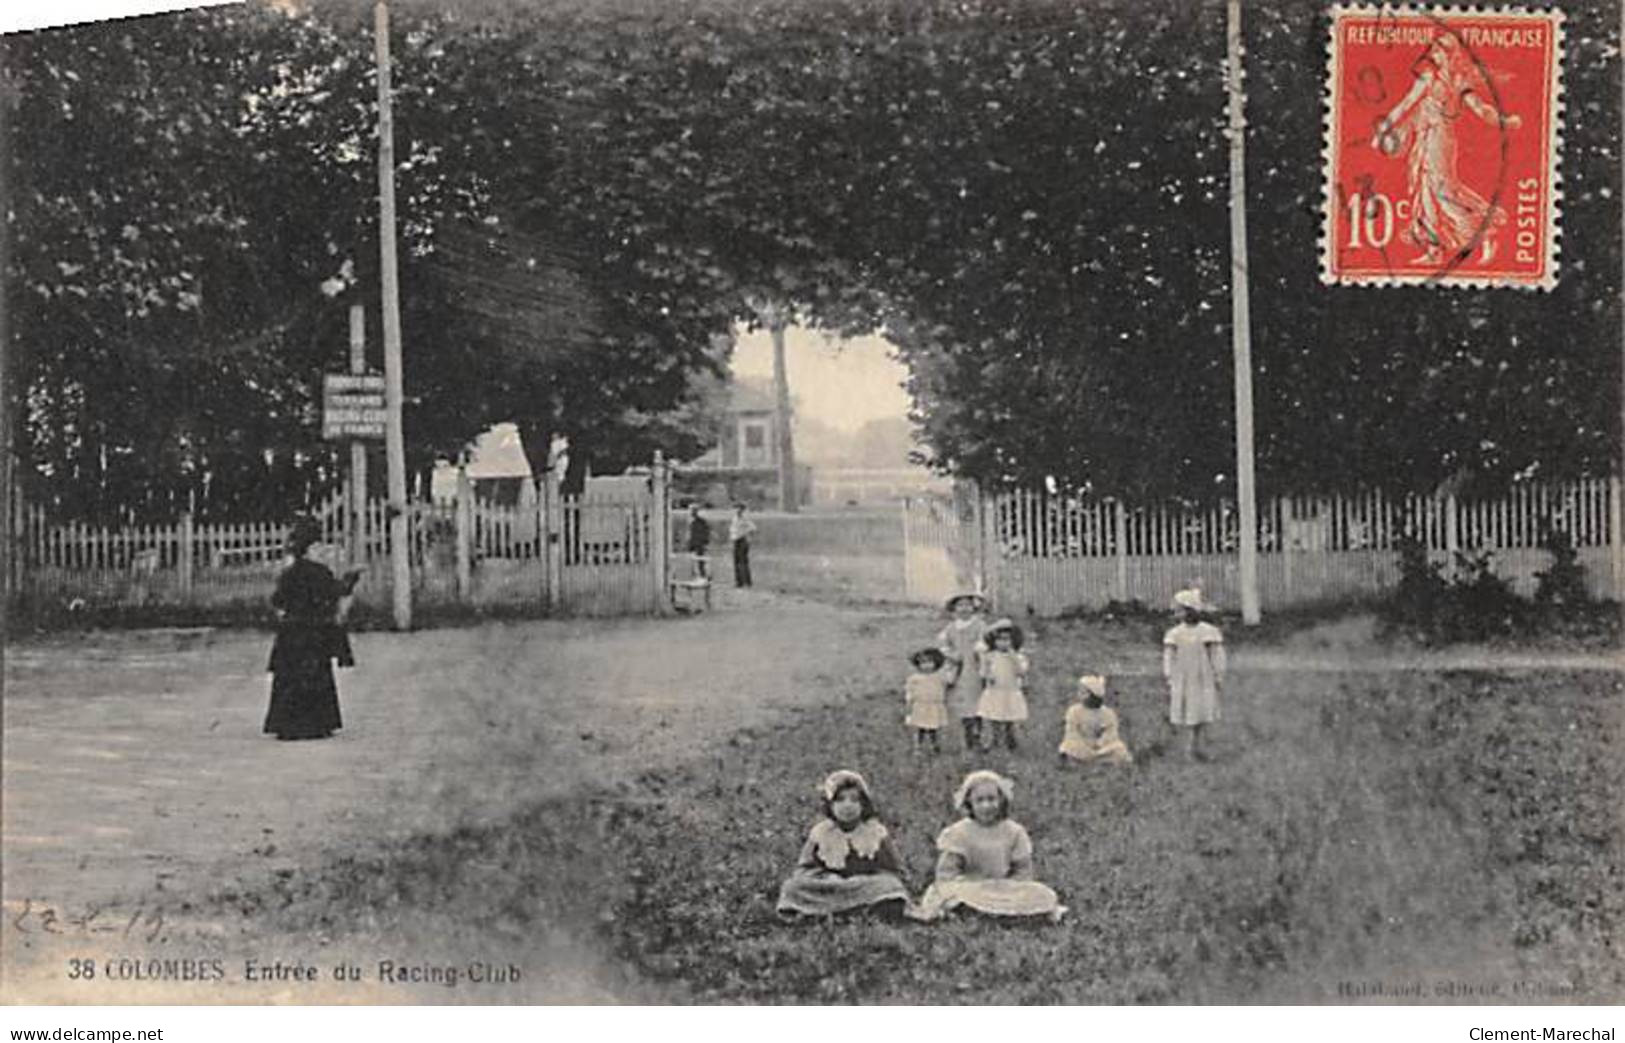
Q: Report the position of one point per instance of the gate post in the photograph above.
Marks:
(186, 560)
(908, 594)
(552, 526)
(1120, 537)
(1283, 540)
(660, 523)
(1616, 538)
(465, 535)
(990, 557)
(1452, 540)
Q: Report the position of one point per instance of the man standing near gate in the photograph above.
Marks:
(739, 530)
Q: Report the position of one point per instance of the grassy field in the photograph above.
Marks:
(1458, 829)
(1456, 832)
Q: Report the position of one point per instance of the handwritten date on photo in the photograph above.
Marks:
(289, 972)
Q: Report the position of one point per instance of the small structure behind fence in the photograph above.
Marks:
(548, 554)
(1051, 553)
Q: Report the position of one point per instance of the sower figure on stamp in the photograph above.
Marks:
(1448, 220)
(309, 636)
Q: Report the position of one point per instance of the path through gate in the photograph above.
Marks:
(942, 549)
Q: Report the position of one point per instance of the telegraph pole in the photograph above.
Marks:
(9, 398)
(394, 441)
(788, 499)
(1617, 485)
(1241, 330)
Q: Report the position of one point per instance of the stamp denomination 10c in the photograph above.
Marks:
(1443, 128)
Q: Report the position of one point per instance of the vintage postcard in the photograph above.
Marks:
(815, 503)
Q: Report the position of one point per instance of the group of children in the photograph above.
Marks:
(984, 861)
(978, 672)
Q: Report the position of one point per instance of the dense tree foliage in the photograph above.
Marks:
(1029, 198)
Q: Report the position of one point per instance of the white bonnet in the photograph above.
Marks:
(1190, 597)
(832, 785)
(976, 778)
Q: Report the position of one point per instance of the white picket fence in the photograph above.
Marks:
(1052, 553)
(551, 554)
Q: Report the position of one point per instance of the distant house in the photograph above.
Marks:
(497, 468)
(747, 438)
(500, 473)
(744, 464)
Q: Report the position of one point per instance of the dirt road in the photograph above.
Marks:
(134, 763)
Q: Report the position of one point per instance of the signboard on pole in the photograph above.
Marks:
(353, 405)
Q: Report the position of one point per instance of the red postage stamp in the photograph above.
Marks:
(1443, 128)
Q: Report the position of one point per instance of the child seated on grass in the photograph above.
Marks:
(926, 695)
(1091, 727)
(848, 862)
(986, 859)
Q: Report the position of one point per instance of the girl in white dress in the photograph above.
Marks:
(985, 860)
(925, 694)
(960, 641)
(1193, 664)
(1004, 677)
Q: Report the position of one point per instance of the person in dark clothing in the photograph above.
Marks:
(304, 696)
(739, 531)
(699, 538)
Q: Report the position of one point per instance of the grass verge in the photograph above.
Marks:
(1408, 827)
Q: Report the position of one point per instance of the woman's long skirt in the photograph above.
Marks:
(304, 701)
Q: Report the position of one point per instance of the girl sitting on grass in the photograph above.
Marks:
(986, 859)
(1091, 727)
(848, 861)
(1004, 675)
(1193, 664)
(925, 693)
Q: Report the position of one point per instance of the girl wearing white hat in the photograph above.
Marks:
(848, 862)
(1003, 703)
(1193, 664)
(985, 860)
(960, 642)
(1091, 727)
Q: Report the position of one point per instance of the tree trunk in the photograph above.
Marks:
(575, 473)
(537, 441)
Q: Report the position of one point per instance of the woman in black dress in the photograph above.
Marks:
(304, 697)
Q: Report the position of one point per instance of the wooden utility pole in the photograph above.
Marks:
(8, 368)
(394, 440)
(358, 448)
(1617, 485)
(1241, 330)
(788, 498)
